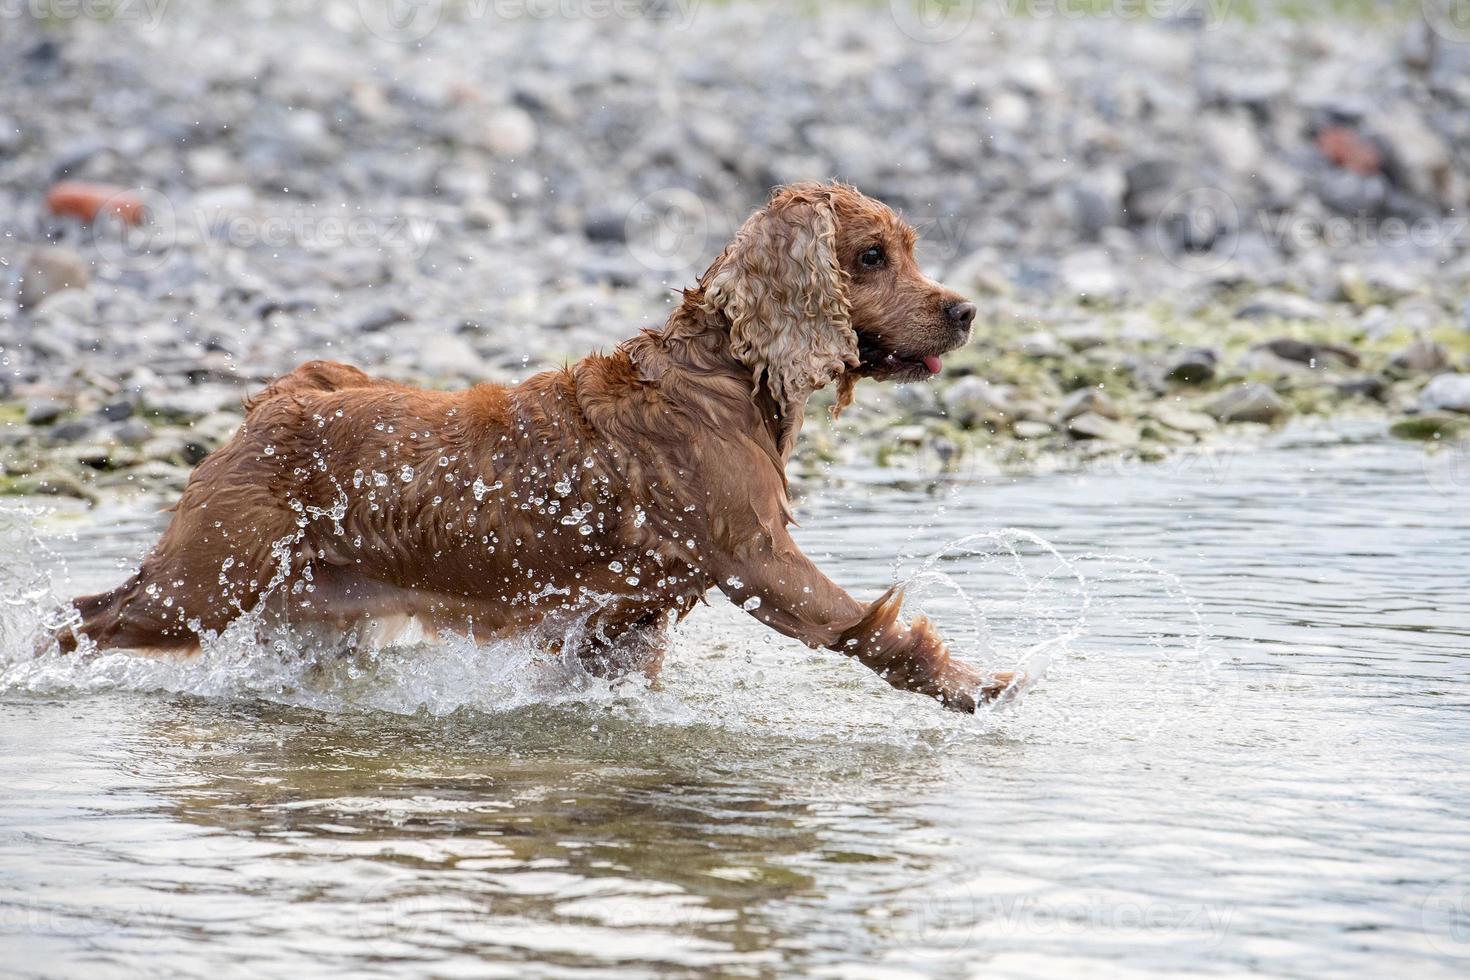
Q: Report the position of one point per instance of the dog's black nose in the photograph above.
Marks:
(961, 314)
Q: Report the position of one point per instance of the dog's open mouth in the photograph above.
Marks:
(882, 364)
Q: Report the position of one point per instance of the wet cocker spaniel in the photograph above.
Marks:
(614, 492)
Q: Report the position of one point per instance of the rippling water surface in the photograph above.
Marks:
(1248, 754)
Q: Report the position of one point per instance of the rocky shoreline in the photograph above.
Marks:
(1176, 230)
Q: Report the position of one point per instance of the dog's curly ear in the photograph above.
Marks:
(783, 290)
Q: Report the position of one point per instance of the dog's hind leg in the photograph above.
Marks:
(231, 538)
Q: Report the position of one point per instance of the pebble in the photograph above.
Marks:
(43, 411)
(1192, 366)
(1182, 419)
(1420, 357)
(1280, 306)
(1090, 425)
(187, 404)
(1031, 429)
(1249, 403)
(447, 355)
(50, 270)
(1040, 344)
(1086, 400)
(509, 132)
(973, 401)
(1446, 392)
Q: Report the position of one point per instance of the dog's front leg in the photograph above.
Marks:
(771, 579)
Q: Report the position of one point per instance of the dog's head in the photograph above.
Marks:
(821, 285)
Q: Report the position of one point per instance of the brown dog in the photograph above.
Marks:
(615, 491)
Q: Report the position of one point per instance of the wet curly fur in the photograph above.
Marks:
(616, 491)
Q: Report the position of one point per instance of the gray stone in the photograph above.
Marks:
(1280, 306)
(49, 482)
(1191, 366)
(1082, 336)
(1287, 355)
(71, 431)
(379, 318)
(1181, 419)
(187, 404)
(509, 132)
(446, 355)
(1091, 275)
(1369, 386)
(48, 271)
(1090, 425)
(1088, 400)
(1040, 344)
(43, 411)
(973, 401)
(1031, 429)
(1249, 403)
(1420, 357)
(117, 411)
(1446, 392)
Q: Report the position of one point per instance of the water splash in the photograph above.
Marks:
(1006, 599)
(1064, 621)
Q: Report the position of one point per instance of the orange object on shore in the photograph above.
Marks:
(77, 199)
(1350, 149)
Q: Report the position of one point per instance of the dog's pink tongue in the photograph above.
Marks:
(932, 363)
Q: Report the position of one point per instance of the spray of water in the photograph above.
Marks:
(1006, 598)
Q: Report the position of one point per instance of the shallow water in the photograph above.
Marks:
(1247, 755)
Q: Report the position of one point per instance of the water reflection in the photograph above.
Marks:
(536, 834)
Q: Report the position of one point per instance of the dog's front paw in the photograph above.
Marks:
(972, 689)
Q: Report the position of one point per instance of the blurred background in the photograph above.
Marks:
(1174, 197)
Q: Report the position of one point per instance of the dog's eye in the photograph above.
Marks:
(872, 257)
